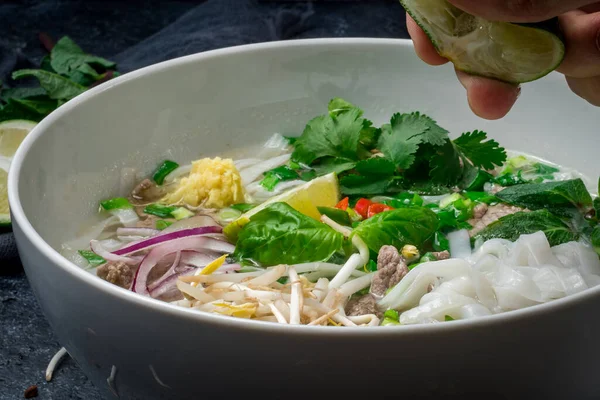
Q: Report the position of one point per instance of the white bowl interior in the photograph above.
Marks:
(230, 99)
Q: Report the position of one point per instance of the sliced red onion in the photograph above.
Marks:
(137, 232)
(108, 256)
(170, 236)
(169, 283)
(156, 254)
(167, 274)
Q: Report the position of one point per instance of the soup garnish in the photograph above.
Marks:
(352, 224)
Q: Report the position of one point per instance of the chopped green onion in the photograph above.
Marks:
(162, 224)
(93, 258)
(283, 280)
(482, 197)
(165, 169)
(276, 175)
(229, 214)
(243, 207)
(392, 314)
(545, 169)
(448, 318)
(116, 203)
(159, 210)
(181, 213)
(450, 199)
(371, 266)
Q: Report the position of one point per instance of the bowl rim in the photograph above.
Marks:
(20, 219)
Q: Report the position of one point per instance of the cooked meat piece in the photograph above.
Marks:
(442, 255)
(492, 214)
(362, 305)
(391, 268)
(117, 273)
(146, 192)
(147, 221)
(479, 210)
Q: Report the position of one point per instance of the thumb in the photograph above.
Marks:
(582, 35)
(519, 10)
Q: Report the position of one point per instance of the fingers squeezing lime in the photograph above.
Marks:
(513, 53)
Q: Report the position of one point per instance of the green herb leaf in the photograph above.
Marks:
(409, 225)
(400, 140)
(93, 258)
(448, 318)
(376, 166)
(163, 170)
(595, 238)
(329, 136)
(544, 169)
(67, 56)
(279, 234)
(512, 226)
(483, 154)
(337, 215)
(560, 197)
(16, 110)
(338, 105)
(21, 93)
(276, 175)
(445, 165)
(364, 185)
(328, 165)
(42, 106)
(58, 87)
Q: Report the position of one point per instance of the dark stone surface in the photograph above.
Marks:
(136, 34)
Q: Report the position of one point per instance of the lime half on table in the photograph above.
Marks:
(509, 52)
(12, 134)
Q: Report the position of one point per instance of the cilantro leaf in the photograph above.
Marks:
(483, 154)
(338, 105)
(377, 166)
(327, 135)
(400, 140)
(328, 165)
(446, 165)
(365, 185)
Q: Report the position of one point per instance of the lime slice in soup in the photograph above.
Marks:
(320, 192)
(514, 53)
(12, 134)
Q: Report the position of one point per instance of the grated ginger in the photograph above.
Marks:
(212, 183)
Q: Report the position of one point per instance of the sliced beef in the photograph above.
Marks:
(391, 268)
(492, 214)
(147, 221)
(146, 192)
(362, 305)
(117, 273)
(442, 255)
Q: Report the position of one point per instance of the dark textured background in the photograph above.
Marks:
(136, 34)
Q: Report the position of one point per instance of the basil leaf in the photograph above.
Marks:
(279, 234)
(67, 56)
(337, 215)
(16, 110)
(561, 197)
(512, 226)
(407, 225)
(58, 87)
(21, 93)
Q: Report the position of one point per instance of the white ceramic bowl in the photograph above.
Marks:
(206, 103)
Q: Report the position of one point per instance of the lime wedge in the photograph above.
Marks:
(323, 191)
(12, 134)
(514, 53)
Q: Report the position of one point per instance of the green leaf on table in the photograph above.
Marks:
(279, 234)
(407, 225)
(67, 56)
(21, 93)
(57, 87)
(512, 226)
(15, 110)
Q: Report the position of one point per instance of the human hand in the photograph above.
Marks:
(580, 23)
